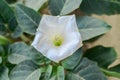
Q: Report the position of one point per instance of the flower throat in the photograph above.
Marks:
(57, 40)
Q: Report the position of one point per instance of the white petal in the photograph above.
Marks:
(52, 25)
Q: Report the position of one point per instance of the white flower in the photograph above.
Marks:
(57, 37)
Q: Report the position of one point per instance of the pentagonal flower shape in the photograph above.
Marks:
(57, 37)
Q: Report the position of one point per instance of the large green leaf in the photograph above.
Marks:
(91, 27)
(73, 60)
(101, 7)
(62, 7)
(104, 56)
(86, 70)
(28, 19)
(20, 52)
(4, 73)
(26, 70)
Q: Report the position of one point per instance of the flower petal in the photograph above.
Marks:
(66, 27)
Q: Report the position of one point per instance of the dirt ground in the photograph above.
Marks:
(112, 38)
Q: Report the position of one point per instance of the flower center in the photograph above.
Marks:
(57, 40)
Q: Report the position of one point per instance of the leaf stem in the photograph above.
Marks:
(24, 38)
(4, 40)
(111, 73)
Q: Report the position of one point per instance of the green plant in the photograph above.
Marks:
(20, 61)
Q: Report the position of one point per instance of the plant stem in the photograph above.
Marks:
(24, 38)
(111, 73)
(4, 40)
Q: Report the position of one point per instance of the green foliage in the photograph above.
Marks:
(72, 61)
(18, 24)
(17, 33)
(4, 73)
(26, 70)
(4, 40)
(35, 4)
(48, 72)
(60, 73)
(104, 56)
(2, 28)
(100, 7)
(91, 27)
(20, 52)
(86, 70)
(64, 6)
(115, 68)
(0, 60)
(5, 11)
(11, 1)
(1, 53)
(28, 19)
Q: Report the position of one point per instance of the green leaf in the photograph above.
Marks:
(104, 56)
(72, 76)
(13, 24)
(8, 15)
(2, 51)
(64, 6)
(4, 73)
(48, 73)
(28, 19)
(87, 70)
(15, 28)
(73, 60)
(5, 11)
(11, 1)
(91, 27)
(53, 78)
(70, 6)
(115, 68)
(26, 70)
(2, 28)
(35, 4)
(20, 52)
(17, 33)
(60, 73)
(100, 7)
(0, 60)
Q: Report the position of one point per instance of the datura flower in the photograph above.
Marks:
(57, 37)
